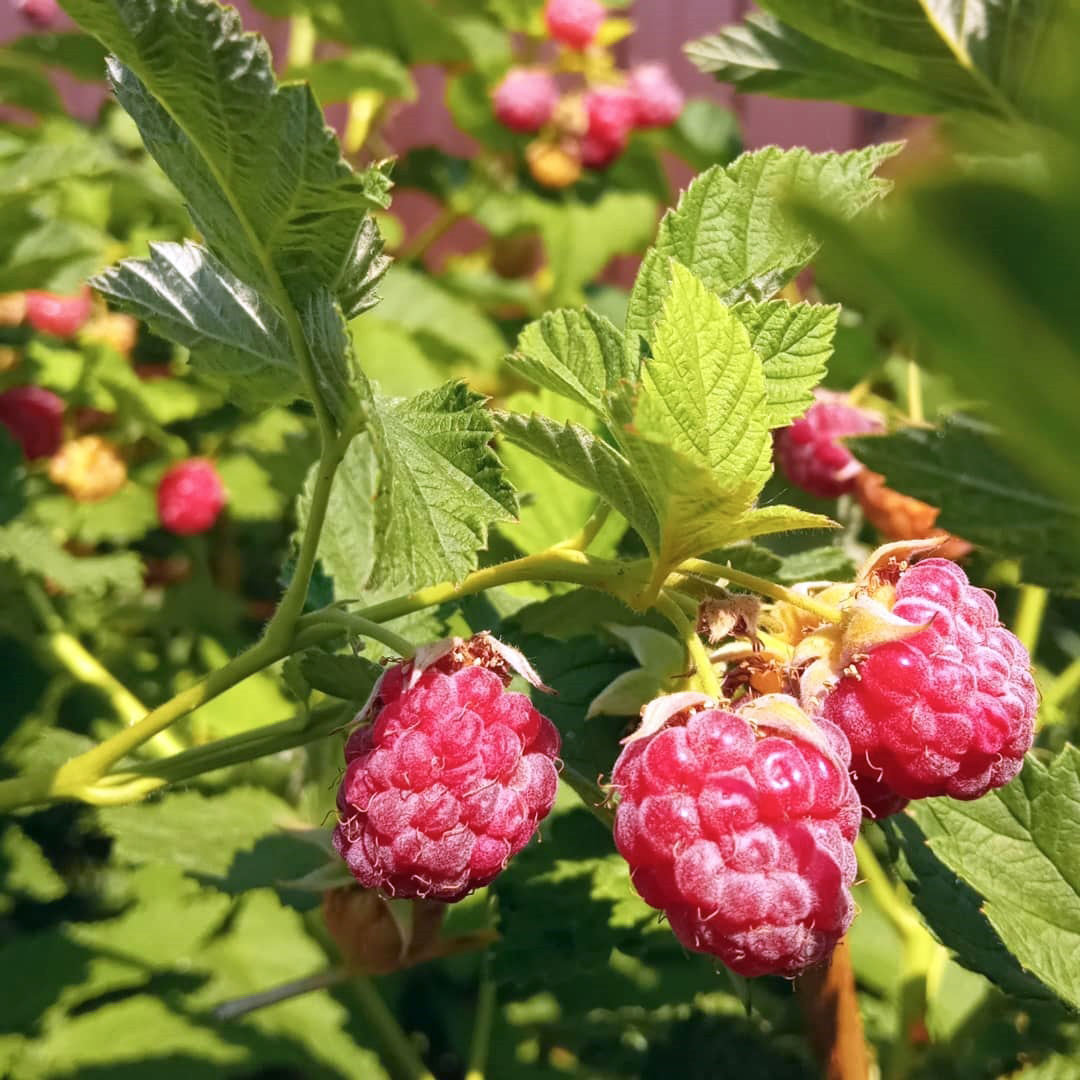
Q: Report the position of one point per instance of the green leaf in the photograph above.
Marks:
(349, 677)
(584, 458)
(42, 164)
(705, 134)
(76, 53)
(816, 564)
(184, 293)
(577, 354)
(983, 496)
(414, 31)
(56, 255)
(24, 86)
(33, 550)
(1019, 849)
(794, 343)
(262, 175)
(24, 870)
(424, 517)
(339, 77)
(732, 230)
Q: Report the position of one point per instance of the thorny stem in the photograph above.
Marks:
(699, 655)
(765, 588)
(483, 1022)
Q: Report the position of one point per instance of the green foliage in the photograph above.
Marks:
(33, 551)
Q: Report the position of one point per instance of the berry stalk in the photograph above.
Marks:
(831, 1010)
(483, 1022)
(699, 655)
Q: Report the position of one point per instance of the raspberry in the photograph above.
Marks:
(450, 778)
(809, 453)
(657, 96)
(525, 99)
(34, 417)
(41, 14)
(189, 497)
(739, 826)
(90, 467)
(574, 23)
(947, 711)
(611, 113)
(61, 316)
(551, 164)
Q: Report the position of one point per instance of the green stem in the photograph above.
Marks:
(589, 531)
(766, 588)
(483, 1022)
(1027, 625)
(695, 648)
(1063, 686)
(916, 414)
(401, 1057)
(302, 40)
(322, 980)
(590, 795)
(361, 627)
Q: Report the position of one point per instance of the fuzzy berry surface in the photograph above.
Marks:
(611, 113)
(61, 316)
(948, 711)
(449, 780)
(743, 839)
(525, 100)
(808, 450)
(190, 496)
(34, 417)
(574, 23)
(657, 96)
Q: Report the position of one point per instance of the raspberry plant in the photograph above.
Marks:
(388, 634)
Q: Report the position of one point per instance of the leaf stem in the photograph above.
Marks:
(401, 1057)
(361, 627)
(916, 413)
(771, 589)
(1027, 625)
(322, 980)
(597, 519)
(483, 1022)
(695, 648)
(1063, 686)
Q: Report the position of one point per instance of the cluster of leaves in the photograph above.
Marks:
(658, 404)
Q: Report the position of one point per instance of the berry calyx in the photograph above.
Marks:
(90, 468)
(574, 23)
(61, 316)
(611, 112)
(657, 96)
(739, 825)
(34, 417)
(808, 450)
(525, 100)
(449, 779)
(189, 497)
(948, 708)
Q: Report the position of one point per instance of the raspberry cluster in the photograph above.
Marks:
(585, 127)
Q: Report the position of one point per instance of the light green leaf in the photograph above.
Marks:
(120, 519)
(577, 354)
(71, 51)
(339, 77)
(24, 870)
(588, 461)
(732, 230)
(262, 175)
(1019, 848)
(42, 164)
(184, 293)
(34, 551)
(794, 343)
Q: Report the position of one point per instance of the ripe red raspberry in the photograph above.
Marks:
(809, 453)
(525, 99)
(41, 14)
(189, 497)
(574, 23)
(739, 827)
(61, 316)
(947, 711)
(657, 96)
(611, 113)
(35, 418)
(450, 778)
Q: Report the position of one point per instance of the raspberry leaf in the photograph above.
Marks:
(33, 550)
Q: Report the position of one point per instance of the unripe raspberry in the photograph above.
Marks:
(41, 14)
(189, 497)
(552, 164)
(611, 113)
(34, 417)
(947, 710)
(90, 467)
(574, 23)
(111, 328)
(525, 100)
(61, 316)
(657, 96)
(450, 778)
(739, 826)
(808, 450)
(12, 308)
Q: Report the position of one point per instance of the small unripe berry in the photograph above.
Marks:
(90, 468)
(551, 164)
(574, 23)
(189, 497)
(61, 316)
(809, 452)
(657, 96)
(34, 417)
(525, 100)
